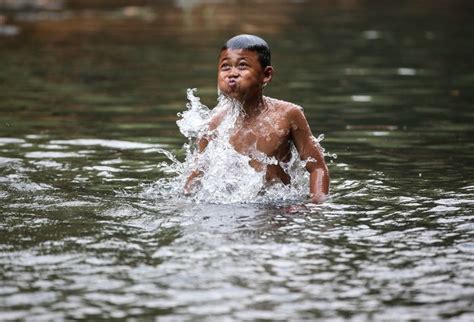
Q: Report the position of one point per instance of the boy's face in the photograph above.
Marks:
(240, 74)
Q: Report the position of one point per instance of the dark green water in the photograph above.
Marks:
(89, 92)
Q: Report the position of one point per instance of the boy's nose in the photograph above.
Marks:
(234, 72)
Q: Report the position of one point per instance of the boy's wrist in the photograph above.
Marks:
(318, 197)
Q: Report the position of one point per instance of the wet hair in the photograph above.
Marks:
(252, 43)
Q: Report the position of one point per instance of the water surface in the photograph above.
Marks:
(89, 96)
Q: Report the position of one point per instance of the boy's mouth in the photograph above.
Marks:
(232, 83)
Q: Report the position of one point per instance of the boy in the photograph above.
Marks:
(266, 125)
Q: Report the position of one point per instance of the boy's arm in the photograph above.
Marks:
(202, 144)
(310, 150)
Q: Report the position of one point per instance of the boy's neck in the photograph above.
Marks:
(253, 106)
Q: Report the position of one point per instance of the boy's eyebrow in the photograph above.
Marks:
(228, 58)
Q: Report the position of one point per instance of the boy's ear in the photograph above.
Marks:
(268, 74)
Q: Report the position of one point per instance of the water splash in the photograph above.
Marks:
(225, 175)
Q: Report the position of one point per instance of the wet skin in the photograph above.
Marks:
(266, 125)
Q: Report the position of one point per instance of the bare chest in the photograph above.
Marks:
(265, 133)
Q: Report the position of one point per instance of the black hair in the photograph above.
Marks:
(253, 43)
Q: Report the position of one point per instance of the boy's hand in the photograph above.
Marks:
(188, 186)
(319, 197)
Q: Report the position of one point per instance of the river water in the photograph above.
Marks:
(89, 97)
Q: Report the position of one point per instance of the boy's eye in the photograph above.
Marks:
(242, 65)
(225, 67)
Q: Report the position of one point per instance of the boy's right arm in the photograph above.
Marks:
(202, 144)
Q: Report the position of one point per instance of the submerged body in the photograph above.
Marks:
(265, 128)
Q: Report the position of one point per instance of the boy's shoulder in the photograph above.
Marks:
(285, 107)
(283, 104)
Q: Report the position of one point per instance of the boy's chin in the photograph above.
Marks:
(231, 94)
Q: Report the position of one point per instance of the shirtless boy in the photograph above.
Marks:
(266, 124)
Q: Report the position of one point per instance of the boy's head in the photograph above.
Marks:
(244, 68)
(252, 43)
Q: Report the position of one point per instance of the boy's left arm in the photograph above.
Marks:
(310, 150)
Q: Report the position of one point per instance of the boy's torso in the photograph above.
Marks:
(267, 132)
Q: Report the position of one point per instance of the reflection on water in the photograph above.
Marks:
(89, 93)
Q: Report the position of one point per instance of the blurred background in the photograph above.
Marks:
(90, 91)
(79, 64)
